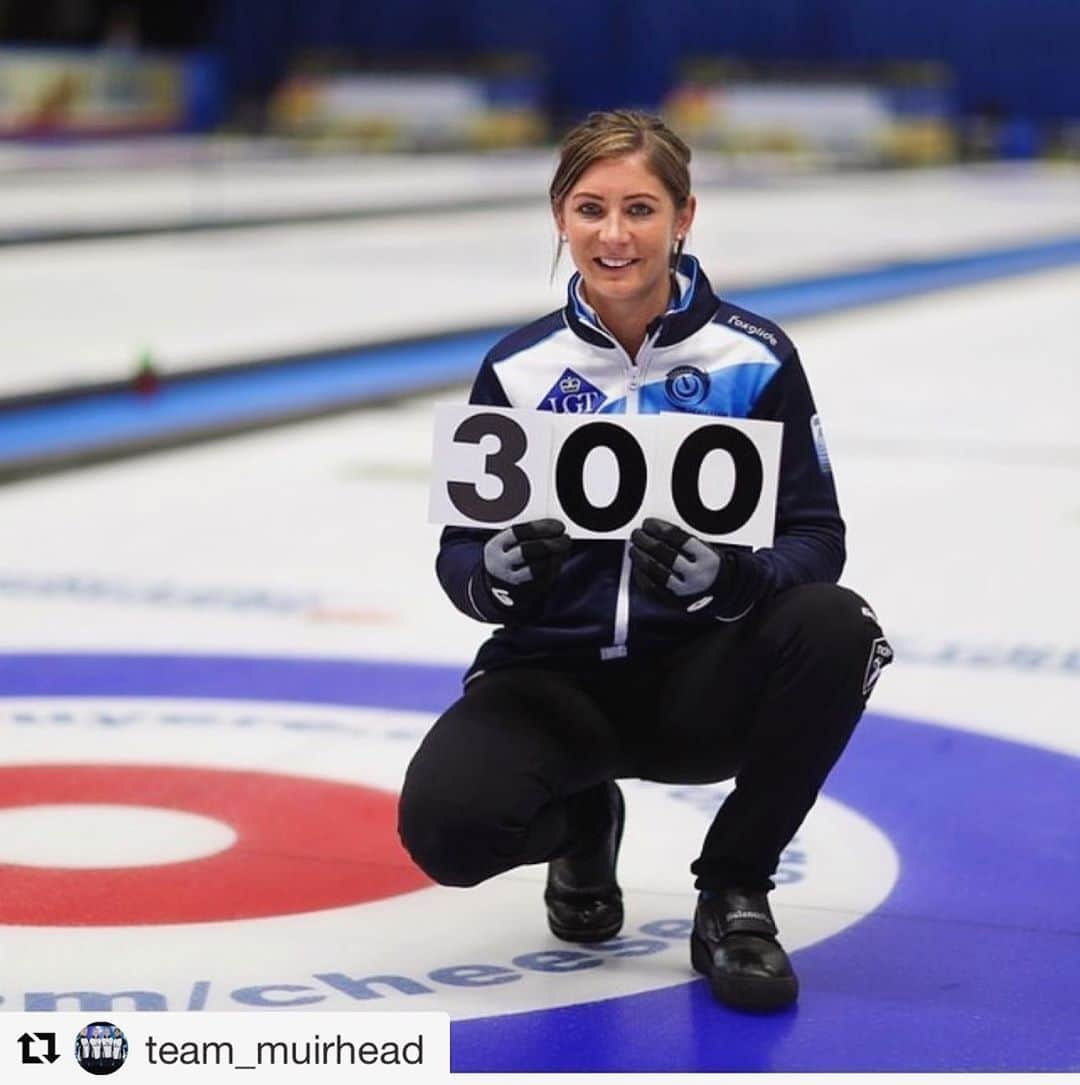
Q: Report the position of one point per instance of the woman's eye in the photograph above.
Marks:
(589, 209)
(641, 210)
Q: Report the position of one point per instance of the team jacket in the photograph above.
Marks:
(705, 356)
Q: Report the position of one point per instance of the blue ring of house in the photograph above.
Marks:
(968, 965)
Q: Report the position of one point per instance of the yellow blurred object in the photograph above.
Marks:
(690, 111)
(68, 92)
(507, 128)
(920, 142)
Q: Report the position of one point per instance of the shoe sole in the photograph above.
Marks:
(747, 992)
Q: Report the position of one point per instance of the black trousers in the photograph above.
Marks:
(509, 774)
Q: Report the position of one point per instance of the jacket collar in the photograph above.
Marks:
(692, 306)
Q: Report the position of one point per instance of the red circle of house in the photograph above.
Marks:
(301, 845)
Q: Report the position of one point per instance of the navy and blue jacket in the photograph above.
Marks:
(703, 355)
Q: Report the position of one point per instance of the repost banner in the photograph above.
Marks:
(48, 1048)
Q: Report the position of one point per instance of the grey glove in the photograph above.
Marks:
(522, 561)
(682, 571)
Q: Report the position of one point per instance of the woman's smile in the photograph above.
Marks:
(612, 263)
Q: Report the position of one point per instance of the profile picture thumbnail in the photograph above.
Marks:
(101, 1048)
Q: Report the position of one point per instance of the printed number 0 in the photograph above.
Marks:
(686, 479)
(570, 476)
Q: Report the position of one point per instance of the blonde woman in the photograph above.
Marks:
(664, 658)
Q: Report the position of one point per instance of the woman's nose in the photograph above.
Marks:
(613, 228)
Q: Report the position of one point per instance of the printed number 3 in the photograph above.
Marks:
(502, 463)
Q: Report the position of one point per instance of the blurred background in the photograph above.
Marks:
(298, 224)
(134, 119)
(865, 81)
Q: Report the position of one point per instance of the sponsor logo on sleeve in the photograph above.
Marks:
(737, 321)
(820, 447)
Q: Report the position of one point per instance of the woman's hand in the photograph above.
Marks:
(522, 561)
(680, 569)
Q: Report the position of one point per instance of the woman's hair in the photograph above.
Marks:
(612, 135)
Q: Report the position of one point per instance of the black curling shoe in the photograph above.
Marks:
(584, 901)
(734, 946)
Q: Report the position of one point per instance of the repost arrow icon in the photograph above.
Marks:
(51, 1054)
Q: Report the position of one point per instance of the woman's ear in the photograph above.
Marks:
(685, 218)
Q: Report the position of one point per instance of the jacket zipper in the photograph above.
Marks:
(636, 371)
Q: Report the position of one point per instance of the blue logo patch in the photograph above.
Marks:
(572, 394)
(819, 445)
(686, 385)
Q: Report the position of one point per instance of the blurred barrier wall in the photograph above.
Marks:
(106, 92)
(408, 110)
(1007, 56)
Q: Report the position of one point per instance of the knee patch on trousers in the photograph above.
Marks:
(862, 629)
(836, 628)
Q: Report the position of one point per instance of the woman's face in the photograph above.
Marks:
(621, 225)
